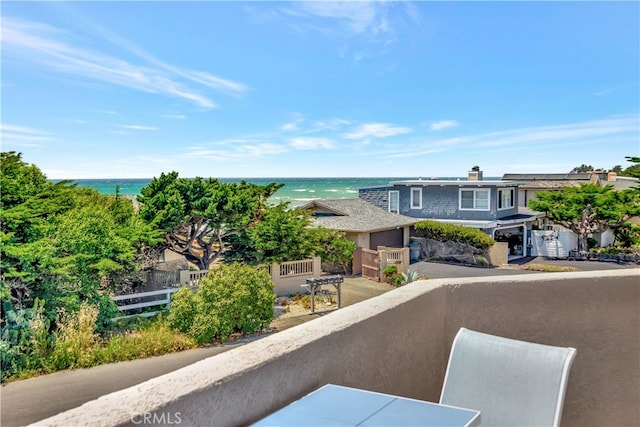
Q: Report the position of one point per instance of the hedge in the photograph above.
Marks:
(455, 233)
(230, 298)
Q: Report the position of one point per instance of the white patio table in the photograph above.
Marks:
(334, 405)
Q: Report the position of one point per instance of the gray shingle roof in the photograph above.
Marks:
(547, 176)
(622, 183)
(356, 215)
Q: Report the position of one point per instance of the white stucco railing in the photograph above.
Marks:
(288, 277)
(399, 343)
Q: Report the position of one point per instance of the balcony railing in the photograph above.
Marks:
(399, 343)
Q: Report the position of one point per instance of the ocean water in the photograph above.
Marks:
(296, 191)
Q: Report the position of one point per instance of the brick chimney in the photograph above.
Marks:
(475, 174)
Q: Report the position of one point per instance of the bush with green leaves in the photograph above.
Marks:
(455, 233)
(392, 276)
(333, 247)
(627, 235)
(25, 340)
(231, 298)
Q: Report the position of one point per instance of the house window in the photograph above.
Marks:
(476, 200)
(506, 198)
(416, 198)
(394, 202)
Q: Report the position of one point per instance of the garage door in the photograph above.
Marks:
(391, 238)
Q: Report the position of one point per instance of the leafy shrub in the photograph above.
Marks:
(181, 314)
(392, 276)
(627, 235)
(306, 301)
(481, 261)
(410, 276)
(231, 298)
(25, 341)
(455, 233)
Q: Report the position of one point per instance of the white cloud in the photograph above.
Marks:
(297, 119)
(239, 149)
(557, 134)
(175, 116)
(288, 127)
(139, 127)
(606, 91)
(47, 46)
(443, 124)
(365, 28)
(304, 143)
(542, 139)
(331, 124)
(356, 17)
(262, 149)
(22, 136)
(377, 130)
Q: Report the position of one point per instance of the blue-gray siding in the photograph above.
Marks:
(377, 196)
(438, 202)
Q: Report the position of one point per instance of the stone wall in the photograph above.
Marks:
(454, 252)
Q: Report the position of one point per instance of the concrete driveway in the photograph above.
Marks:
(435, 270)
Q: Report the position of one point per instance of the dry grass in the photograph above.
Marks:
(548, 268)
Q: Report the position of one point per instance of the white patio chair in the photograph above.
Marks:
(512, 383)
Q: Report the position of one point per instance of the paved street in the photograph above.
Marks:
(31, 400)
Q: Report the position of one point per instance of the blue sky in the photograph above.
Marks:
(314, 89)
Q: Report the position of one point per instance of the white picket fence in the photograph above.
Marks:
(287, 277)
(165, 302)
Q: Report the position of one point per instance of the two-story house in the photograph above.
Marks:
(490, 205)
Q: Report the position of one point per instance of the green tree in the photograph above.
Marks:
(199, 215)
(582, 168)
(588, 208)
(633, 170)
(63, 244)
(333, 247)
(616, 169)
(282, 235)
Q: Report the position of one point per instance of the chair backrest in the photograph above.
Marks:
(511, 382)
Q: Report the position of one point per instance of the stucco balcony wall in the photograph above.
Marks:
(399, 343)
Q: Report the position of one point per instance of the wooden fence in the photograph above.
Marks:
(374, 262)
(370, 264)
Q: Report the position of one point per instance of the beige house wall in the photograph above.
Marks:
(498, 253)
(399, 343)
(360, 239)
